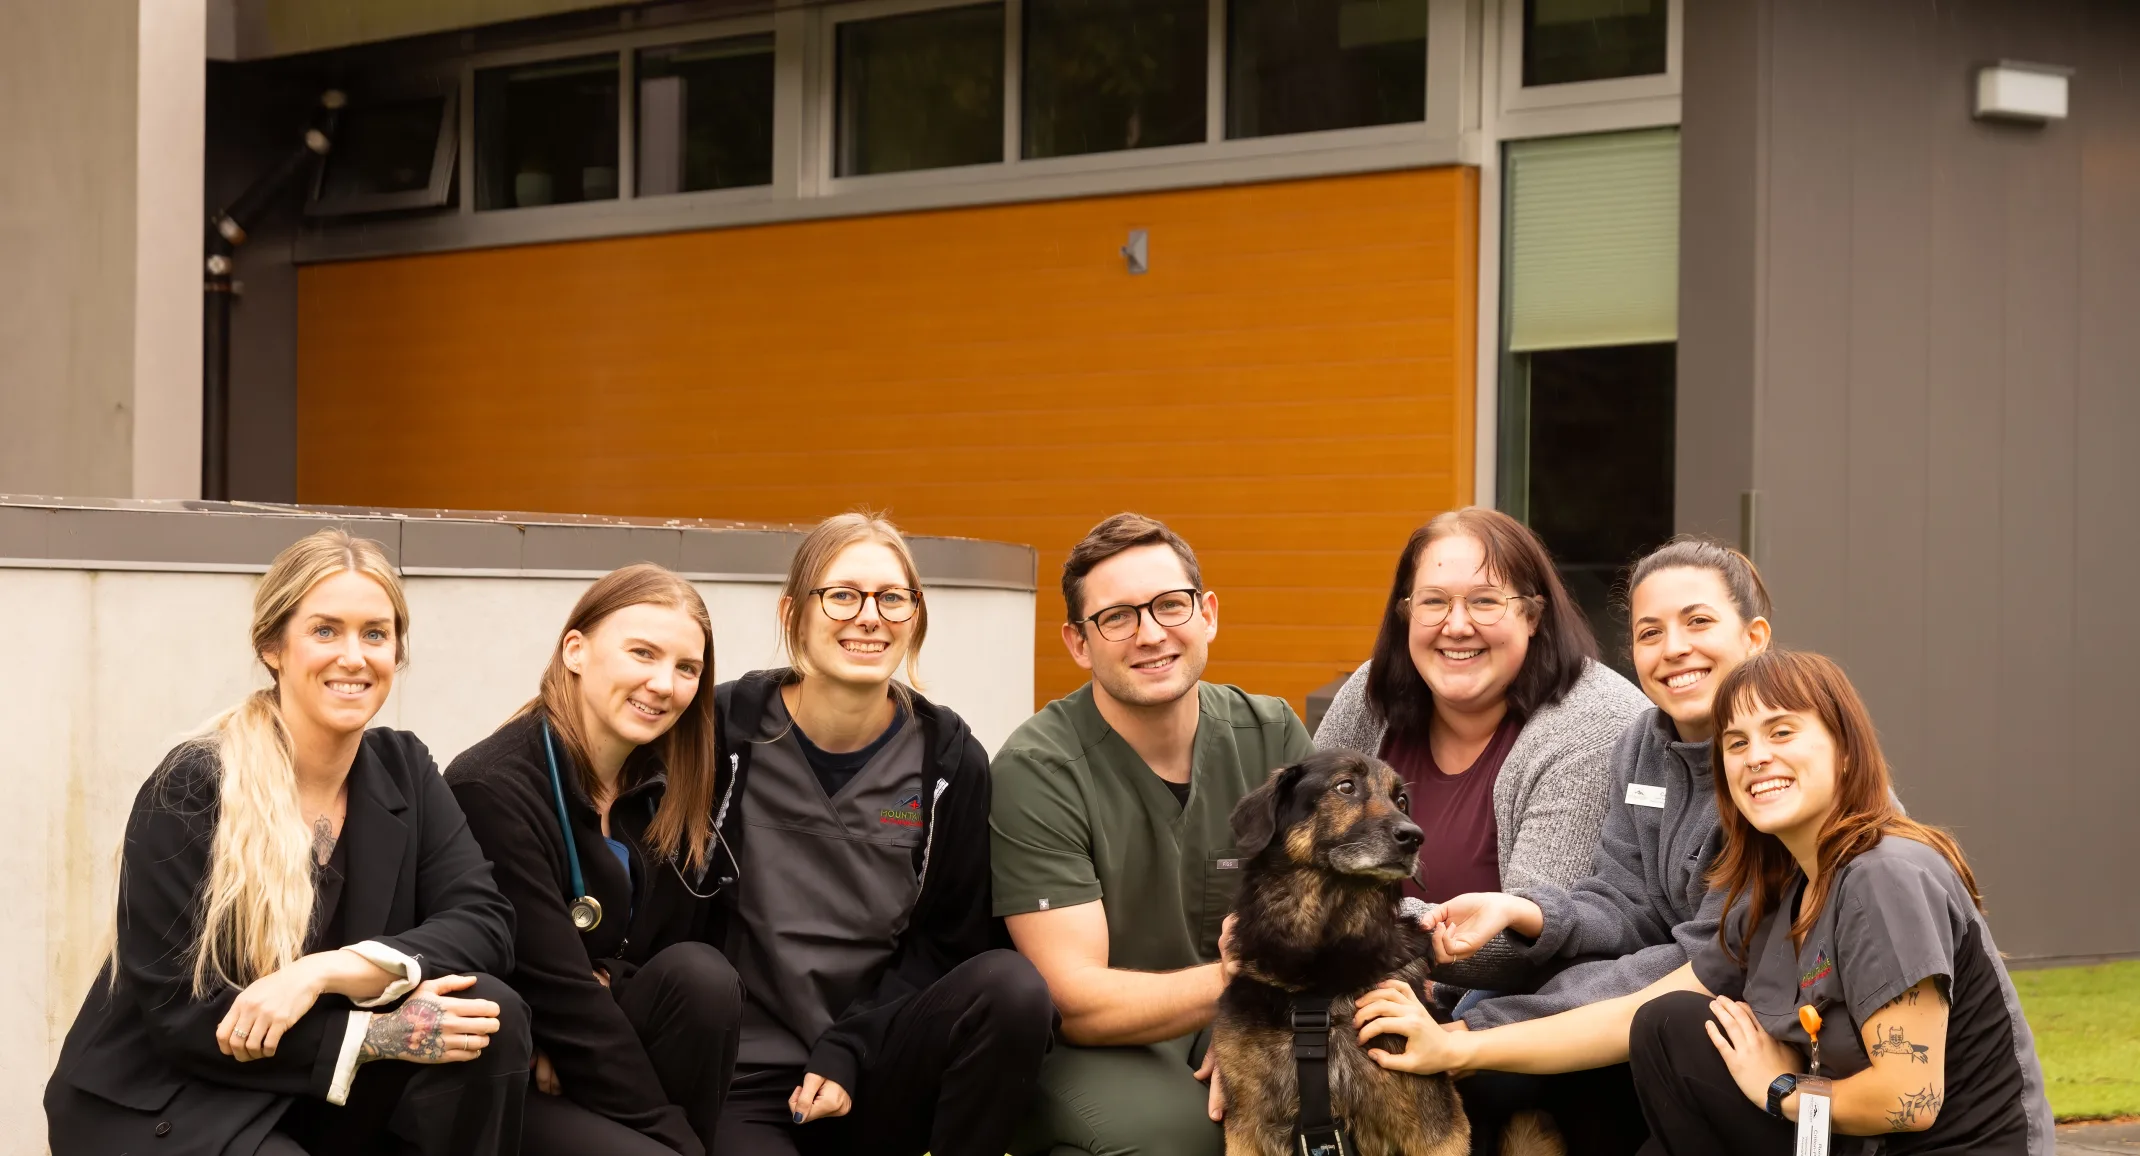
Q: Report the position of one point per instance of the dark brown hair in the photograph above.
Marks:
(1749, 595)
(682, 828)
(1758, 865)
(1396, 694)
(1124, 531)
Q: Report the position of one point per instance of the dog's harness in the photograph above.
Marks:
(1317, 1131)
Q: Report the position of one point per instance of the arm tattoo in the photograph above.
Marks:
(1908, 997)
(322, 840)
(414, 1031)
(1913, 1105)
(1893, 1044)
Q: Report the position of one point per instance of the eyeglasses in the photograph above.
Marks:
(844, 603)
(1483, 607)
(1119, 623)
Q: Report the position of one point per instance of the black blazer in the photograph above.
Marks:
(140, 1071)
(503, 783)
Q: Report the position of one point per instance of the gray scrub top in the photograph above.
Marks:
(1898, 914)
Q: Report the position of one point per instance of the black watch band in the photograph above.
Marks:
(1778, 1088)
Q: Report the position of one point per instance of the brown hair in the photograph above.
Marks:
(1749, 595)
(1757, 865)
(1124, 531)
(683, 824)
(815, 555)
(1396, 694)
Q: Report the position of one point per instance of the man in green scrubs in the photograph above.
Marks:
(1113, 857)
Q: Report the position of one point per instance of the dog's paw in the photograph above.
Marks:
(1413, 909)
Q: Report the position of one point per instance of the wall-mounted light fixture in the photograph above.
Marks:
(2018, 91)
(1137, 254)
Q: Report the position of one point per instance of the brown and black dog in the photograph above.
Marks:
(1328, 844)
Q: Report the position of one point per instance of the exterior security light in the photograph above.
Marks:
(2030, 93)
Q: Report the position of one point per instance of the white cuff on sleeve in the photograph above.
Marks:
(387, 959)
(345, 1066)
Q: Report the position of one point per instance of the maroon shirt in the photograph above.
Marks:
(1462, 848)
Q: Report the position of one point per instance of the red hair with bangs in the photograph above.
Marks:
(1758, 865)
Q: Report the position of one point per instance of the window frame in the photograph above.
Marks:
(804, 124)
(438, 191)
(1587, 105)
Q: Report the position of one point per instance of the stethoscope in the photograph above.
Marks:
(585, 909)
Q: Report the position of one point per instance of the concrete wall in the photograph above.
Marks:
(115, 662)
(1911, 332)
(101, 222)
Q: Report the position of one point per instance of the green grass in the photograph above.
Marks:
(2087, 1026)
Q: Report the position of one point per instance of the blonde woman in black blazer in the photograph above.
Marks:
(299, 899)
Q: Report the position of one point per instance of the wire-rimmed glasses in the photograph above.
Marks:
(1430, 608)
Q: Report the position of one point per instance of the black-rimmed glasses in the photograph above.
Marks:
(1119, 623)
(1483, 607)
(844, 603)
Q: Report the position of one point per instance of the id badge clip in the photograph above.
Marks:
(1816, 1093)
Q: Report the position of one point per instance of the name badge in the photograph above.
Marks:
(1644, 795)
(1814, 1101)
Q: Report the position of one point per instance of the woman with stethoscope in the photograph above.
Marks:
(634, 1017)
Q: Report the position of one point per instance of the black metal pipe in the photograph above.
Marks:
(226, 231)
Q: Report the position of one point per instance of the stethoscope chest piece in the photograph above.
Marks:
(586, 913)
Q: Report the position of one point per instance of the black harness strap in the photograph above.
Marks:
(1317, 1131)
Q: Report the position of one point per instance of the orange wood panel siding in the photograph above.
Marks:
(1290, 386)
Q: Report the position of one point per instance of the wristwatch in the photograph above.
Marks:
(1778, 1088)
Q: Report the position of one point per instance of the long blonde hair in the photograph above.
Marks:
(256, 904)
(682, 827)
(807, 568)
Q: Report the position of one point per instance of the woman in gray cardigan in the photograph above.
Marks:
(1485, 693)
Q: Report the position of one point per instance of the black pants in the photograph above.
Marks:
(687, 1006)
(1596, 1111)
(394, 1106)
(956, 1074)
(1688, 1096)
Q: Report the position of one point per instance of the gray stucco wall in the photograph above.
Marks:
(1914, 335)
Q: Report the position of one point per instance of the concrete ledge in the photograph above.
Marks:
(243, 537)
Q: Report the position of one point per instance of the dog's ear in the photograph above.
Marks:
(1255, 817)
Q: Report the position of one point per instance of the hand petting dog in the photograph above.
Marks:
(1393, 1009)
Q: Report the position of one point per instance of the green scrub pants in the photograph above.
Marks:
(1132, 1101)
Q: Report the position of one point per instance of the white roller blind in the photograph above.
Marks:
(1594, 241)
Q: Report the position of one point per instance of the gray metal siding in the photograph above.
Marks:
(1923, 329)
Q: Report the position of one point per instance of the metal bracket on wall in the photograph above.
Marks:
(1138, 252)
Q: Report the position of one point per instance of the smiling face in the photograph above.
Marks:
(1158, 664)
(638, 669)
(334, 664)
(1687, 636)
(865, 649)
(1782, 768)
(1468, 666)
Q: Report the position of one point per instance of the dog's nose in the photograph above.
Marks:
(1408, 836)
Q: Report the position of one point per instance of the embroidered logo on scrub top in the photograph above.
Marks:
(907, 813)
(1818, 972)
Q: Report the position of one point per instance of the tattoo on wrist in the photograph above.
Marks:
(1911, 1107)
(411, 1032)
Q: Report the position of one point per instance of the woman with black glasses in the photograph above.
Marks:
(880, 1015)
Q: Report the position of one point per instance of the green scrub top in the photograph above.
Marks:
(1078, 815)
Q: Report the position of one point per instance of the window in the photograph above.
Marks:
(1105, 75)
(921, 91)
(705, 116)
(1309, 65)
(1569, 41)
(389, 153)
(546, 134)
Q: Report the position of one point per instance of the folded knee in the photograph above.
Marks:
(1011, 991)
(1667, 1017)
(513, 1036)
(701, 976)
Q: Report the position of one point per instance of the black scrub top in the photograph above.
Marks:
(1898, 915)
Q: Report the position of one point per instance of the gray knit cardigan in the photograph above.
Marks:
(1549, 801)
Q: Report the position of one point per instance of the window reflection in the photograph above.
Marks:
(1310, 65)
(546, 134)
(922, 91)
(1103, 75)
